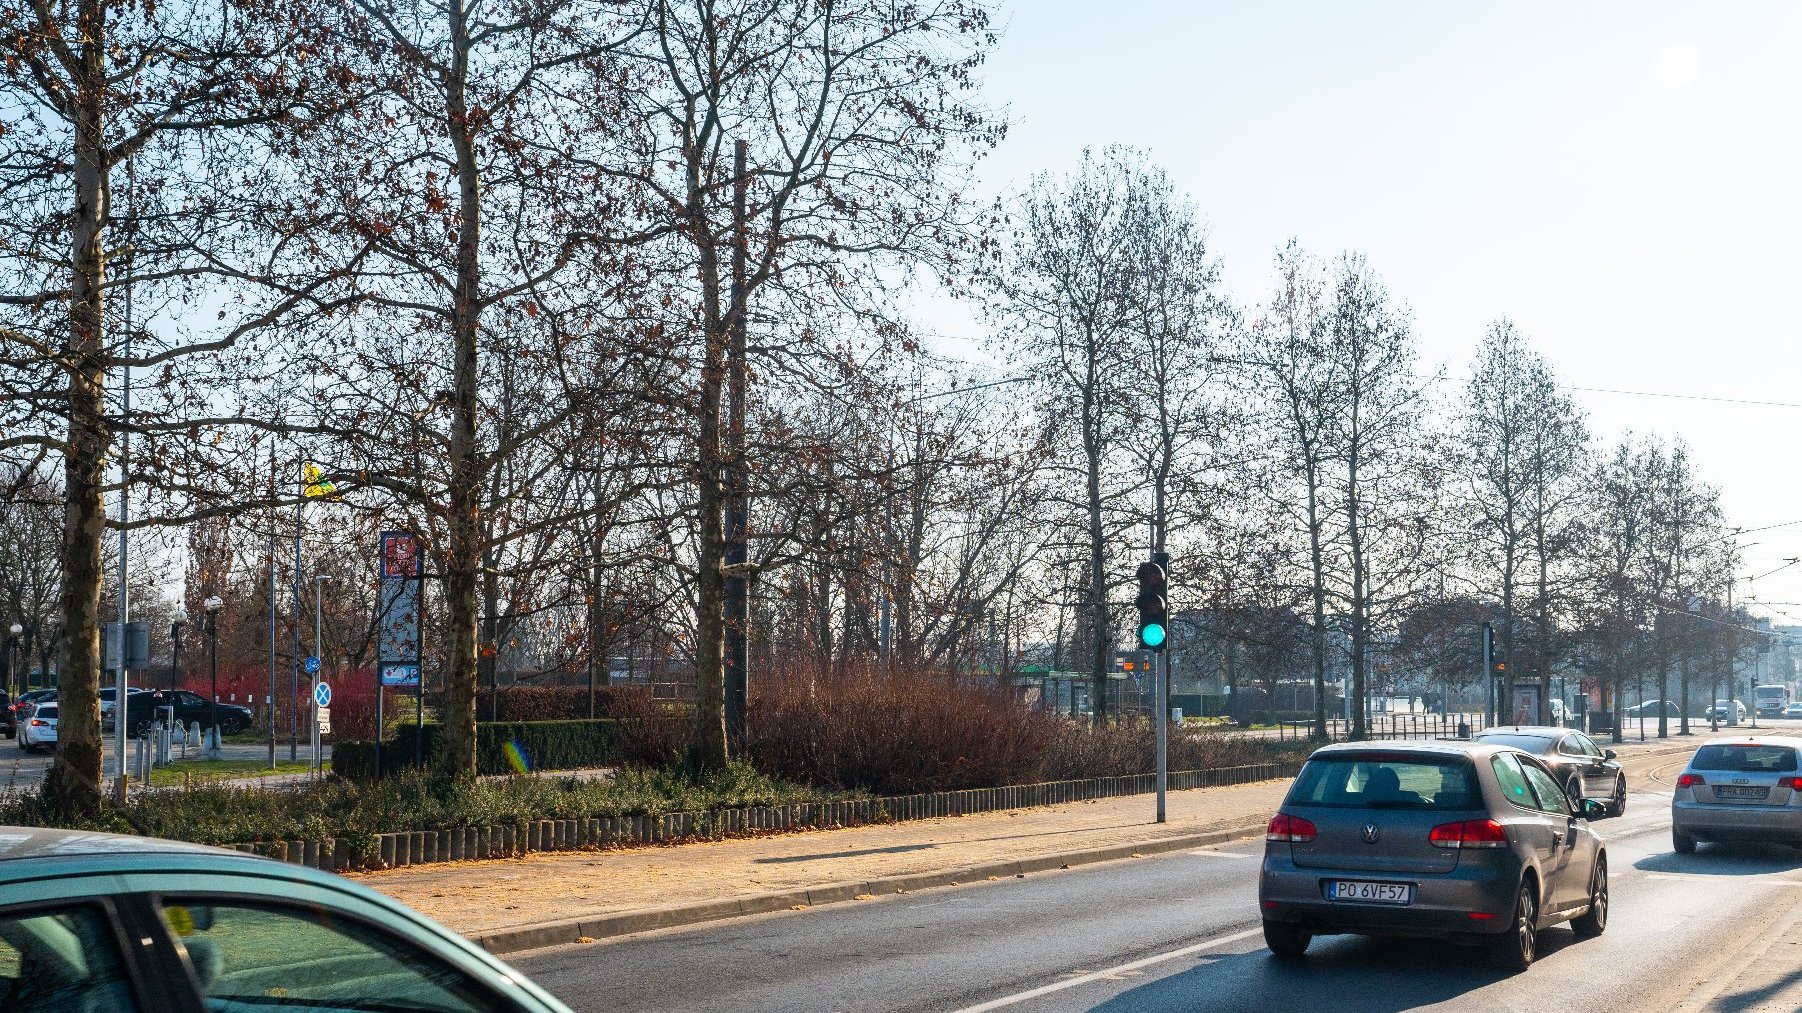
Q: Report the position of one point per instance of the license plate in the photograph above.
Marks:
(1738, 791)
(1369, 893)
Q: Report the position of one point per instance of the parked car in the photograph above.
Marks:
(1726, 710)
(22, 706)
(1650, 709)
(39, 729)
(143, 708)
(1739, 789)
(1793, 710)
(8, 724)
(1464, 841)
(106, 703)
(1585, 769)
(220, 930)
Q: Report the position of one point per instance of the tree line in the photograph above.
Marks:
(556, 285)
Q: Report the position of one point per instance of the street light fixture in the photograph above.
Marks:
(212, 606)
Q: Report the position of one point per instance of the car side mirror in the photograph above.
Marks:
(1607, 754)
(1593, 809)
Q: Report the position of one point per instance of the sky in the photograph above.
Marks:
(1621, 179)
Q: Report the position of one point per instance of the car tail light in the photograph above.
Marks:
(1290, 829)
(1469, 834)
(1792, 783)
(39, 723)
(1690, 781)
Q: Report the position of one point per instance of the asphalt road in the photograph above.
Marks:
(1180, 932)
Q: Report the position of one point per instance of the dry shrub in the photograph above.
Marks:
(653, 733)
(896, 734)
(1130, 747)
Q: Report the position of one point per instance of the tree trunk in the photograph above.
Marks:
(463, 553)
(1317, 562)
(1098, 613)
(74, 779)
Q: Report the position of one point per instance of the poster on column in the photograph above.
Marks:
(402, 563)
(1526, 705)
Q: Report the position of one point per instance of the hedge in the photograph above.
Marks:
(502, 747)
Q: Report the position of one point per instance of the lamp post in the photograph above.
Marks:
(176, 622)
(12, 642)
(212, 606)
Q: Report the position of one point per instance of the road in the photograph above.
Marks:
(1716, 930)
(20, 770)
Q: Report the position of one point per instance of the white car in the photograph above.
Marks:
(1727, 710)
(1794, 710)
(38, 730)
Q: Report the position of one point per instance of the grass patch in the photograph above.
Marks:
(191, 772)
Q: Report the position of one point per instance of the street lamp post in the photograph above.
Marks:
(12, 643)
(176, 622)
(212, 606)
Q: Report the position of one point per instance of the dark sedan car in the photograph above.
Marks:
(1585, 769)
(100, 922)
(143, 708)
(1461, 841)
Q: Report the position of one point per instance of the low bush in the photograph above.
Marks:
(507, 747)
(411, 800)
(894, 735)
(1130, 747)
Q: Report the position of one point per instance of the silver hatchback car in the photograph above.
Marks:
(1739, 789)
(1464, 841)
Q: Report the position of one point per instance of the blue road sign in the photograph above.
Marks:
(311, 665)
(322, 694)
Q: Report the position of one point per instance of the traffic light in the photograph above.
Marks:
(1153, 606)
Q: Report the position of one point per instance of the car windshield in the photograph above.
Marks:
(1385, 781)
(1530, 743)
(1750, 758)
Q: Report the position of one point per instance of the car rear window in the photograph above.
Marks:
(1379, 781)
(1530, 743)
(47, 710)
(1749, 758)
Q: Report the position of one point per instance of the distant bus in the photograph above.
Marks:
(1771, 700)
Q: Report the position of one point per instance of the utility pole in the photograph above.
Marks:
(738, 603)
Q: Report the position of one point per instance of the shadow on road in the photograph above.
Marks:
(1725, 860)
(1345, 974)
(896, 850)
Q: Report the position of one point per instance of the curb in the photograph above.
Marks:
(532, 937)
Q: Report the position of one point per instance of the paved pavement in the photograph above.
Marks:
(1719, 930)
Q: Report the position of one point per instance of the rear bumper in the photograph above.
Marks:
(1779, 824)
(1443, 902)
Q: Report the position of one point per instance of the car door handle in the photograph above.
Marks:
(1557, 838)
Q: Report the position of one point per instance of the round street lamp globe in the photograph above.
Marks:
(17, 629)
(213, 604)
(180, 617)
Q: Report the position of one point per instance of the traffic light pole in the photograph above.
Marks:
(1161, 676)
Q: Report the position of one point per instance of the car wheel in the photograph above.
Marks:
(1620, 796)
(1287, 940)
(1594, 921)
(231, 726)
(1683, 843)
(1514, 950)
(1574, 788)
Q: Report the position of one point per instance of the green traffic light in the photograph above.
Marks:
(1152, 635)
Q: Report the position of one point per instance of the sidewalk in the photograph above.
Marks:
(545, 899)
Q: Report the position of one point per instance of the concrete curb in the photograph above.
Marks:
(531, 937)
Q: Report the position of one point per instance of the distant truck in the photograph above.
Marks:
(1770, 700)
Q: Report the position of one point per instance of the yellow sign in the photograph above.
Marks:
(315, 485)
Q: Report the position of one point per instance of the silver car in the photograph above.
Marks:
(1739, 789)
(1465, 841)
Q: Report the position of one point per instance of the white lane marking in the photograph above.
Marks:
(1766, 878)
(1059, 986)
(1219, 854)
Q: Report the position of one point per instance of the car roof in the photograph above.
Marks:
(19, 843)
(1425, 747)
(1756, 740)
